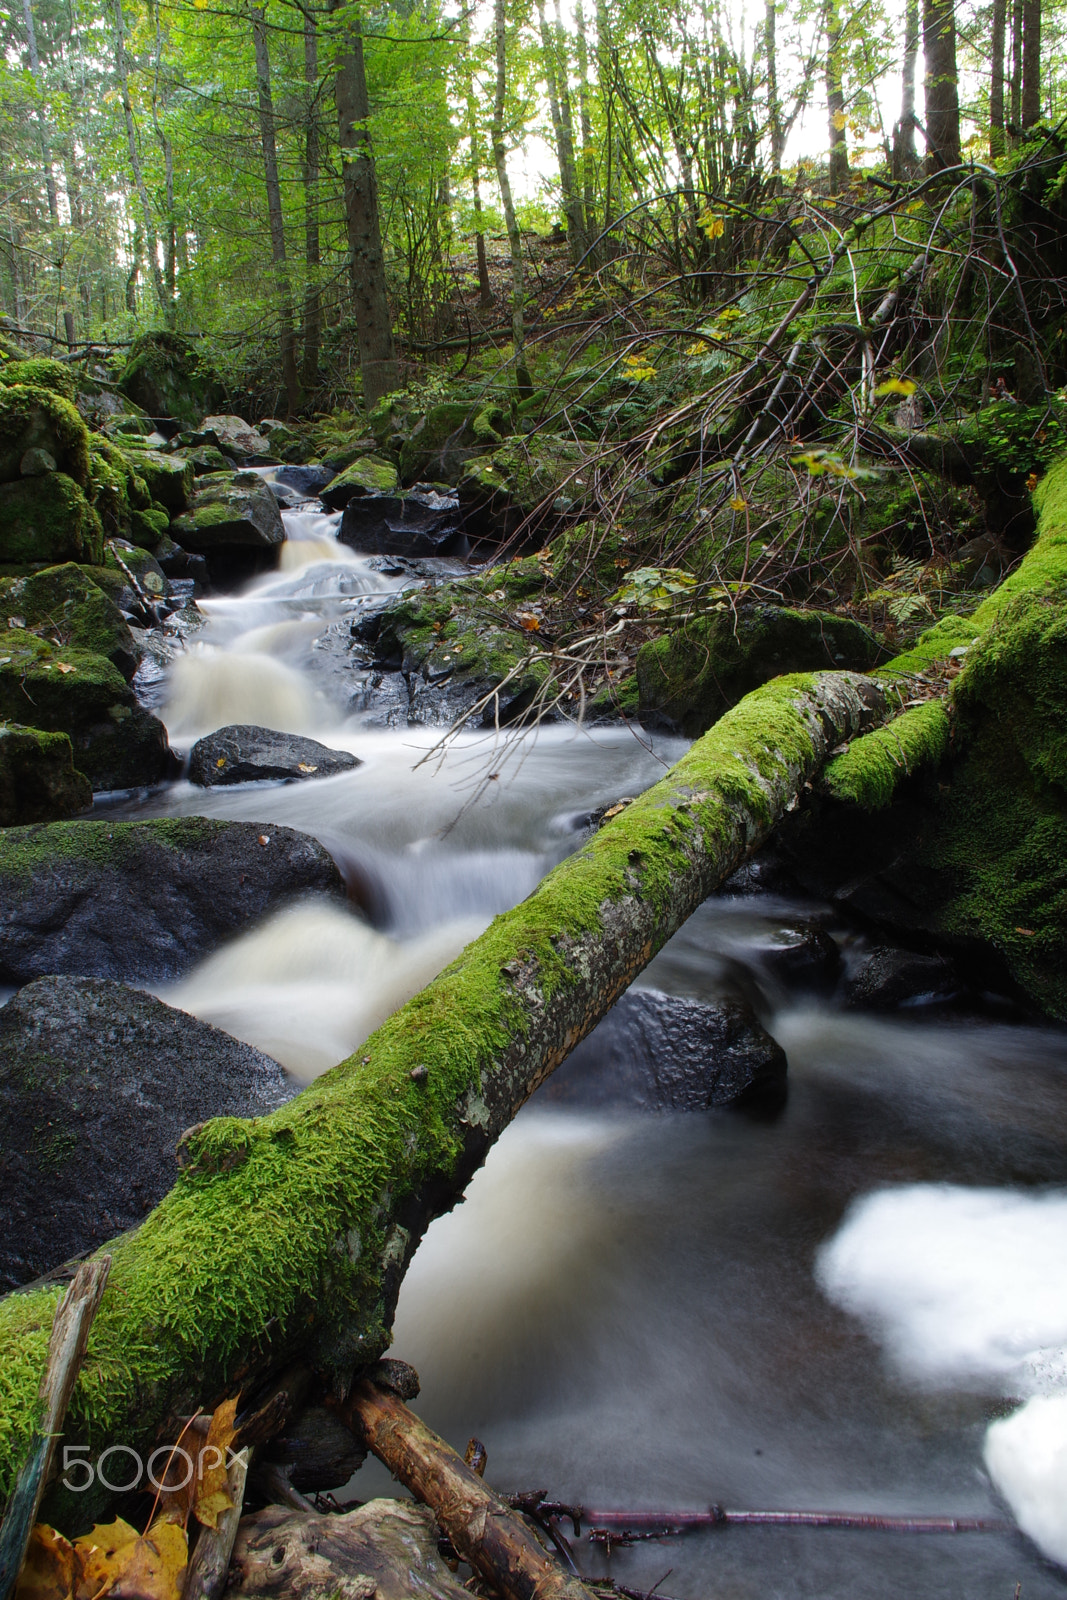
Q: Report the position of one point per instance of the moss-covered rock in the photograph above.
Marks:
(366, 475)
(123, 559)
(66, 690)
(230, 509)
(150, 529)
(38, 779)
(41, 373)
(687, 679)
(165, 376)
(531, 483)
(442, 442)
(48, 519)
(116, 488)
(64, 606)
(37, 420)
(169, 479)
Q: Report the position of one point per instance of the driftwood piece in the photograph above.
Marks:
(66, 1348)
(481, 1527)
(310, 1216)
(387, 1549)
(206, 1574)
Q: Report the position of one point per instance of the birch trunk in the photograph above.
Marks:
(287, 336)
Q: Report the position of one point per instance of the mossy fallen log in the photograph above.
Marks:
(292, 1233)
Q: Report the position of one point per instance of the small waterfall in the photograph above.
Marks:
(312, 982)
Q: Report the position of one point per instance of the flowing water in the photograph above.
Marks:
(824, 1310)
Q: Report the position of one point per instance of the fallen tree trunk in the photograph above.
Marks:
(292, 1232)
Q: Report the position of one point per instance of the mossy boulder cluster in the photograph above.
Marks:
(950, 824)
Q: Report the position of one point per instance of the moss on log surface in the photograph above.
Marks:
(293, 1232)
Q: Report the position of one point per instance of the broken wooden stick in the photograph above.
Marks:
(209, 1565)
(66, 1348)
(481, 1527)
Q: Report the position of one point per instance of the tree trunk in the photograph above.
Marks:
(905, 157)
(574, 209)
(150, 244)
(370, 300)
(588, 188)
(274, 209)
(292, 1232)
(518, 331)
(835, 101)
(1031, 84)
(996, 80)
(42, 124)
(312, 251)
(170, 247)
(1016, 65)
(942, 100)
(774, 104)
(485, 290)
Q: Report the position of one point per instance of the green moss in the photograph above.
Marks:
(169, 478)
(289, 1242)
(41, 373)
(25, 852)
(48, 519)
(867, 774)
(66, 690)
(63, 605)
(365, 475)
(33, 418)
(38, 780)
(691, 676)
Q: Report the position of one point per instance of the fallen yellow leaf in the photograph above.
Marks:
(48, 1570)
(212, 1495)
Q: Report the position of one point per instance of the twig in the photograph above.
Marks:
(66, 1350)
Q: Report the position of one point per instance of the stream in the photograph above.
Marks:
(824, 1309)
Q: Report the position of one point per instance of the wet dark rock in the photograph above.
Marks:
(317, 1451)
(407, 525)
(143, 901)
(307, 481)
(241, 754)
(891, 977)
(658, 1052)
(803, 957)
(97, 1083)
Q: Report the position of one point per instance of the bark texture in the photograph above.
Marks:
(370, 300)
(274, 208)
(292, 1233)
(480, 1527)
(942, 94)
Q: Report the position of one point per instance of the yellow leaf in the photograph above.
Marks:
(712, 225)
(156, 1565)
(839, 121)
(737, 503)
(305, 766)
(101, 1556)
(213, 1496)
(48, 1570)
(221, 762)
(531, 623)
(903, 386)
(65, 667)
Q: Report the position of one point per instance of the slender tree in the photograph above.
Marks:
(312, 251)
(996, 79)
(518, 331)
(1031, 62)
(940, 84)
(835, 101)
(774, 104)
(42, 125)
(905, 157)
(370, 299)
(1016, 65)
(275, 217)
(150, 239)
(485, 290)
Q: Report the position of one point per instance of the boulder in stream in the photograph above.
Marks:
(230, 508)
(97, 1084)
(38, 778)
(367, 475)
(661, 1052)
(240, 754)
(234, 436)
(143, 901)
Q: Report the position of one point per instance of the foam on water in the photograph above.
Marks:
(311, 983)
(966, 1287)
(209, 688)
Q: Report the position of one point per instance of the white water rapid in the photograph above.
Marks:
(840, 1307)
